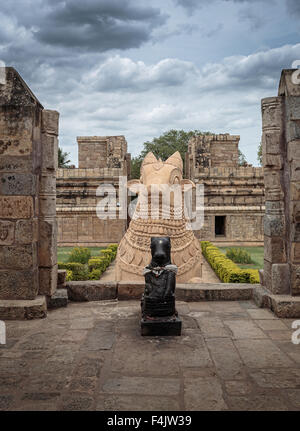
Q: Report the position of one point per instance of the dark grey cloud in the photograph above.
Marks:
(98, 25)
(293, 7)
(192, 5)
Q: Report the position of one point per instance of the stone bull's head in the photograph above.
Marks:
(156, 172)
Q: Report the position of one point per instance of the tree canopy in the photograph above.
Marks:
(164, 146)
(63, 161)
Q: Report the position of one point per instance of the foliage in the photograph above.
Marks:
(63, 161)
(87, 267)
(238, 255)
(79, 270)
(259, 154)
(164, 146)
(69, 275)
(80, 254)
(242, 159)
(226, 269)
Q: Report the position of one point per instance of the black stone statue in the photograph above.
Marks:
(159, 315)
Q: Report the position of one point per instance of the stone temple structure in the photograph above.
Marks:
(102, 160)
(233, 194)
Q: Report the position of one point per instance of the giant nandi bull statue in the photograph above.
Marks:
(169, 220)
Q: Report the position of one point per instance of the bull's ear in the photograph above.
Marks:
(133, 185)
(187, 184)
(175, 160)
(149, 159)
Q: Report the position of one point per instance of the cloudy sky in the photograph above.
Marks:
(123, 67)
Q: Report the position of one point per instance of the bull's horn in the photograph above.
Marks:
(149, 159)
(175, 160)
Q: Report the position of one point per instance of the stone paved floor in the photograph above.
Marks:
(231, 355)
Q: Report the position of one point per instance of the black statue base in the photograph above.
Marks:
(168, 325)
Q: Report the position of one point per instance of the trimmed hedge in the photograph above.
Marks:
(80, 254)
(92, 268)
(79, 270)
(226, 270)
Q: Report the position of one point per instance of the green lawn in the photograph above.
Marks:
(256, 253)
(64, 252)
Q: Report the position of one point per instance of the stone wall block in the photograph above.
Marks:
(16, 284)
(7, 232)
(47, 242)
(292, 118)
(16, 207)
(274, 249)
(48, 280)
(18, 256)
(274, 225)
(50, 122)
(26, 231)
(295, 252)
(295, 279)
(293, 150)
(18, 184)
(280, 278)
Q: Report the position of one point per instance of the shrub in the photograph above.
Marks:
(238, 255)
(69, 275)
(79, 271)
(99, 263)
(226, 269)
(95, 274)
(80, 255)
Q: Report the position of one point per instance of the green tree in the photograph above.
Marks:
(259, 154)
(242, 159)
(164, 146)
(63, 161)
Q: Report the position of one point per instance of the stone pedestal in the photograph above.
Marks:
(164, 326)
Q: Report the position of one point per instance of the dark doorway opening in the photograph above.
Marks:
(220, 222)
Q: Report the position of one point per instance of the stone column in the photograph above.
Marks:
(27, 200)
(47, 203)
(281, 160)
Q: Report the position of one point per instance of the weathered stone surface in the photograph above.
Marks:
(272, 160)
(281, 278)
(47, 242)
(133, 290)
(274, 225)
(226, 358)
(47, 280)
(23, 309)
(16, 164)
(18, 256)
(15, 207)
(18, 284)
(47, 184)
(58, 299)
(91, 290)
(26, 231)
(50, 121)
(285, 306)
(50, 149)
(293, 150)
(244, 329)
(274, 250)
(295, 252)
(47, 206)
(7, 232)
(142, 385)
(61, 277)
(203, 394)
(295, 279)
(17, 184)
